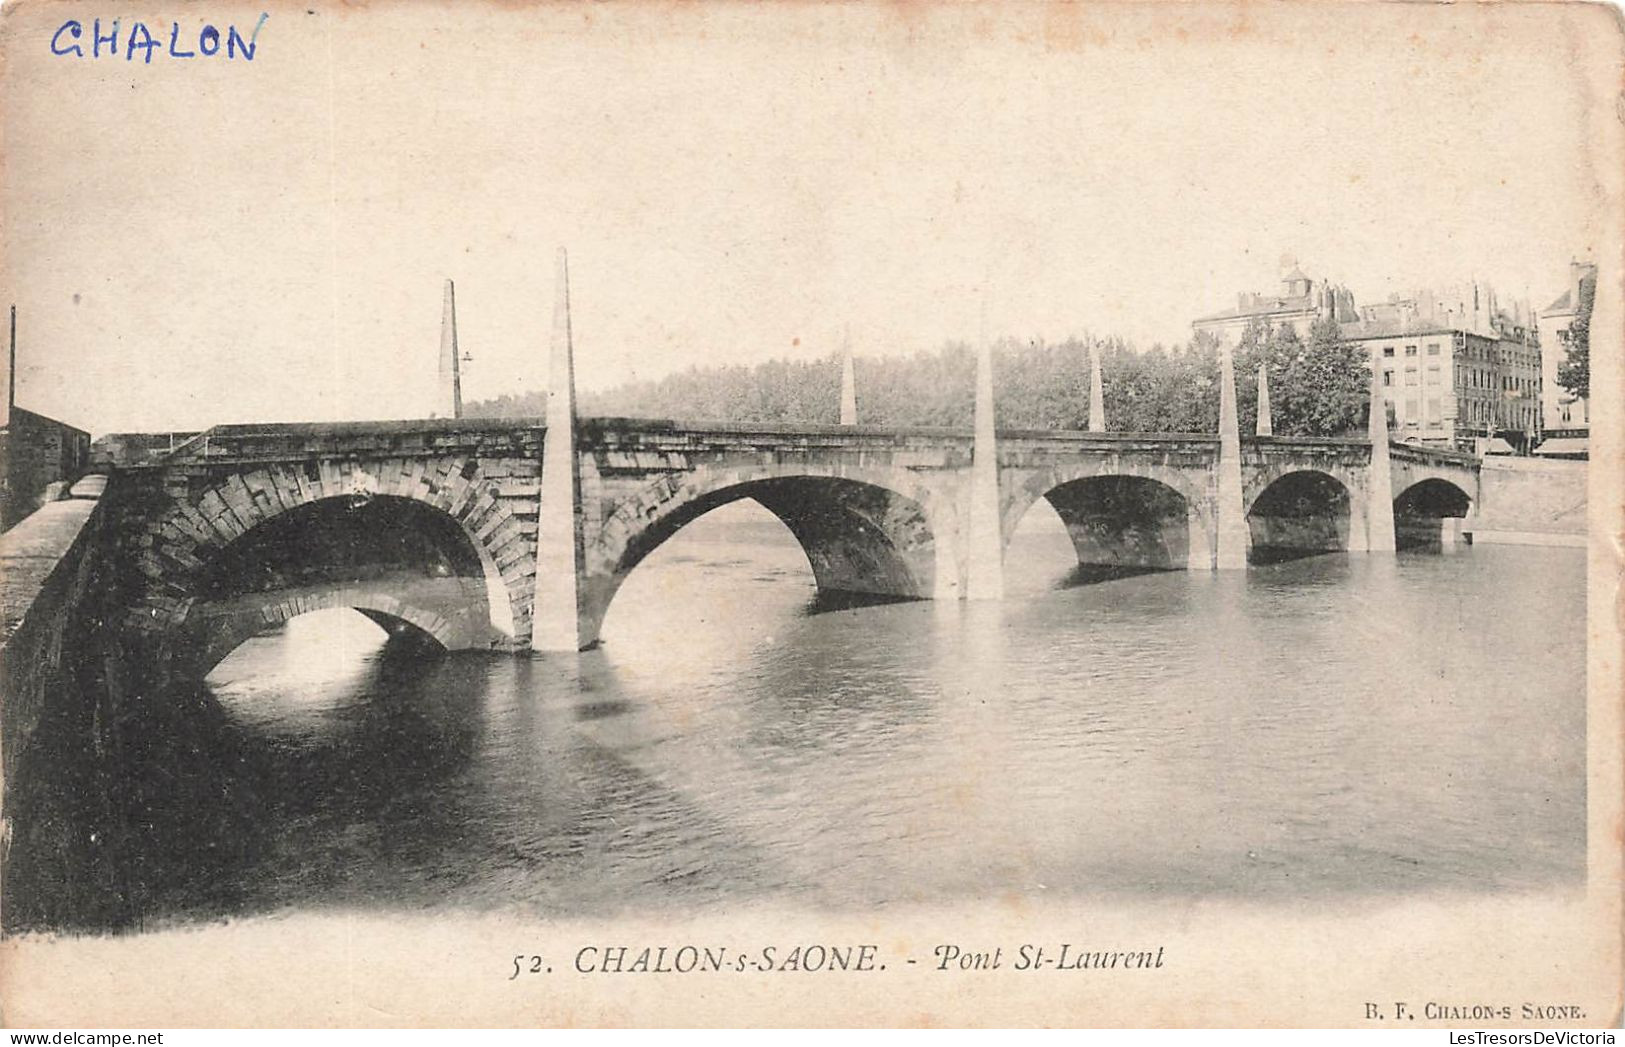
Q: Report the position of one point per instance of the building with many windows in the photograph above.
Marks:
(1446, 384)
(1460, 367)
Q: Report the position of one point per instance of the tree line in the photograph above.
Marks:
(1318, 387)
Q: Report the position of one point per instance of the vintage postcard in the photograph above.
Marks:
(836, 514)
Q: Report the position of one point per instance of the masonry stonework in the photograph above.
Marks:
(879, 513)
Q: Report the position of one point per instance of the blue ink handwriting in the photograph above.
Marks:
(71, 40)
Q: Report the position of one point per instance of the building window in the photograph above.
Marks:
(1388, 378)
(1410, 411)
(1410, 375)
(1433, 411)
(1410, 350)
(1433, 348)
(1388, 350)
(1433, 374)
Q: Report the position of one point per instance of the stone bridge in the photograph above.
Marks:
(432, 527)
(517, 534)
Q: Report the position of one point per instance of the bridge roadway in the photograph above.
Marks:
(431, 526)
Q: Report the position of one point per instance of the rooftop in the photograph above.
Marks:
(1362, 329)
(1562, 305)
(1276, 306)
(21, 416)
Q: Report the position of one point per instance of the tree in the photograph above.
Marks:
(1574, 372)
(1325, 387)
(1272, 347)
(1315, 390)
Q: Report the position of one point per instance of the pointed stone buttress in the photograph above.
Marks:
(1379, 494)
(1097, 393)
(1231, 535)
(555, 621)
(451, 377)
(1266, 426)
(849, 383)
(984, 568)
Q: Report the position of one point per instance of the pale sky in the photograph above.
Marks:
(197, 241)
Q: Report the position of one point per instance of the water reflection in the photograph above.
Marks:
(1325, 727)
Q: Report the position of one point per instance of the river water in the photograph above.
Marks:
(1329, 727)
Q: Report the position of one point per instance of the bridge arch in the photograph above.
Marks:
(1413, 464)
(1121, 516)
(876, 532)
(1435, 495)
(212, 633)
(217, 554)
(1428, 513)
(1298, 512)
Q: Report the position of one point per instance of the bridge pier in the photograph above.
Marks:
(984, 569)
(1359, 528)
(1199, 546)
(556, 616)
(1231, 535)
(949, 573)
(1380, 536)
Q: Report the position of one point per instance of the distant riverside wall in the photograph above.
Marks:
(126, 449)
(1530, 500)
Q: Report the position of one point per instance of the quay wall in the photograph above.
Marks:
(46, 566)
(1530, 501)
(56, 807)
